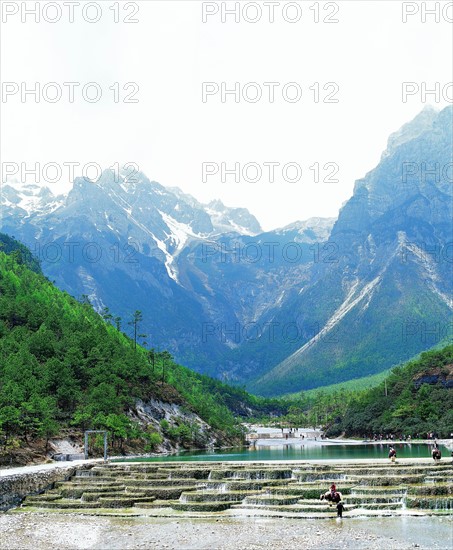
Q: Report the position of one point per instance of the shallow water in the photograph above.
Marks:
(426, 531)
(70, 532)
(307, 452)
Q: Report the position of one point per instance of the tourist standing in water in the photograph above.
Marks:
(340, 508)
(436, 454)
(392, 454)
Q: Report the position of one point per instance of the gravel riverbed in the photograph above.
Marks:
(43, 531)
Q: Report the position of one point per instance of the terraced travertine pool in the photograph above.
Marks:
(282, 489)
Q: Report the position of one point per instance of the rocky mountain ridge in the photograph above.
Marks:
(312, 303)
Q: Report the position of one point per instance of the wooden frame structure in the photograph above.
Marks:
(87, 433)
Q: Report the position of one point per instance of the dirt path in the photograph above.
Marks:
(35, 468)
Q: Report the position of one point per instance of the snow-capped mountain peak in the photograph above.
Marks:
(315, 229)
(163, 220)
(29, 199)
(232, 220)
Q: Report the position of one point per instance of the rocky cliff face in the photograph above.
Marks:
(150, 415)
(386, 294)
(438, 375)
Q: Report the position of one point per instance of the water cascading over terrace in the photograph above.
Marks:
(252, 489)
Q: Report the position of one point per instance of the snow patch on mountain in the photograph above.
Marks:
(180, 234)
(349, 303)
(168, 262)
(89, 285)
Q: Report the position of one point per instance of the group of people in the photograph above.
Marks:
(435, 453)
(335, 497)
(389, 437)
(399, 437)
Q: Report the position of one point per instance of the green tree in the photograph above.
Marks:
(152, 359)
(106, 315)
(137, 318)
(166, 361)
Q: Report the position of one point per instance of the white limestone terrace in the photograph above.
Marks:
(41, 468)
(274, 437)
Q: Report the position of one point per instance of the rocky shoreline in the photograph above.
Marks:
(70, 532)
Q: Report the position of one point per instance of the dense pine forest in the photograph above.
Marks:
(414, 399)
(62, 365)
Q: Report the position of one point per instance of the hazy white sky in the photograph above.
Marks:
(170, 132)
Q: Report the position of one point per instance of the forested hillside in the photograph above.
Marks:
(62, 365)
(19, 251)
(415, 399)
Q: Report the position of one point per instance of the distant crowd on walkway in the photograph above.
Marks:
(399, 437)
